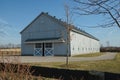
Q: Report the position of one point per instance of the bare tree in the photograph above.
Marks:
(108, 8)
(68, 15)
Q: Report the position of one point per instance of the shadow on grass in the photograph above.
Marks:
(66, 74)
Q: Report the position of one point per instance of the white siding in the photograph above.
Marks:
(80, 44)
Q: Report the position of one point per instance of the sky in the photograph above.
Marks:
(15, 15)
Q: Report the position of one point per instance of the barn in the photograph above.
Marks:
(48, 36)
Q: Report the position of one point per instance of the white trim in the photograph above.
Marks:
(45, 49)
(37, 48)
(34, 51)
(48, 50)
(53, 48)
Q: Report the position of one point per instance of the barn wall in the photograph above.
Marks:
(60, 49)
(43, 27)
(81, 44)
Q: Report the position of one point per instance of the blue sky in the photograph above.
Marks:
(15, 15)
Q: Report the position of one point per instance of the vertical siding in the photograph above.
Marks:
(26, 49)
(43, 27)
(81, 44)
(60, 49)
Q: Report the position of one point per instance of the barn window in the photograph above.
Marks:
(73, 48)
(48, 45)
(83, 49)
(38, 45)
(89, 48)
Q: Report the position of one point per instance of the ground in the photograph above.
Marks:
(108, 62)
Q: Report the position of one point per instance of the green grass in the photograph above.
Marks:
(104, 65)
(89, 55)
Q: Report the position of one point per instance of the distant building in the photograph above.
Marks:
(47, 36)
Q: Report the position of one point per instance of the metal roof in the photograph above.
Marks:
(45, 40)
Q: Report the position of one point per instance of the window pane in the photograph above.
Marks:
(48, 45)
(38, 45)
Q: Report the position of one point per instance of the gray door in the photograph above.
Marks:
(48, 49)
(38, 49)
(43, 49)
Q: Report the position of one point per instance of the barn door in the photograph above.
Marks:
(43, 49)
(48, 49)
(38, 49)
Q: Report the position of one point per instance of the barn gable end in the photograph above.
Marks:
(44, 29)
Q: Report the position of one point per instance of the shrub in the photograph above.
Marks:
(14, 70)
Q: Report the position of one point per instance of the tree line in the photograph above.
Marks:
(10, 45)
(110, 49)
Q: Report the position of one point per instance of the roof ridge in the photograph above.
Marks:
(74, 27)
(63, 23)
(54, 18)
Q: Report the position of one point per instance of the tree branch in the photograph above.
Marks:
(96, 7)
(111, 15)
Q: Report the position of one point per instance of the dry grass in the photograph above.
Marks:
(11, 51)
(89, 55)
(104, 66)
(16, 71)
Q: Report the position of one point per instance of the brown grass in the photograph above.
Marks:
(16, 71)
(90, 55)
(11, 51)
(112, 66)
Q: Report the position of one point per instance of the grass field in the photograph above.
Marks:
(104, 65)
(89, 55)
(11, 51)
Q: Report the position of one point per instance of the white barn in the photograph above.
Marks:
(47, 36)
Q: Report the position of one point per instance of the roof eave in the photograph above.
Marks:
(85, 34)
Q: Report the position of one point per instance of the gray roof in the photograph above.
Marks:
(41, 40)
(73, 28)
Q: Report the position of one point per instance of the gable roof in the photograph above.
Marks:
(73, 28)
(46, 14)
